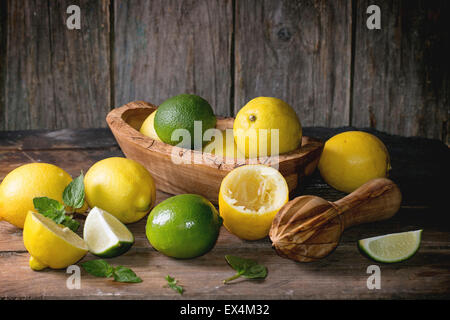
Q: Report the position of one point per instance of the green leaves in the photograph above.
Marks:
(73, 196)
(172, 283)
(54, 210)
(101, 268)
(247, 268)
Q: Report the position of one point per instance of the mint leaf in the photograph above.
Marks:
(54, 210)
(49, 208)
(73, 195)
(247, 268)
(172, 283)
(122, 274)
(98, 268)
(101, 268)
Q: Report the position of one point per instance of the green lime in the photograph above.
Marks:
(183, 226)
(394, 247)
(105, 235)
(180, 112)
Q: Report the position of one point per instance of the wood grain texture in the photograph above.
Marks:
(164, 48)
(56, 78)
(298, 51)
(401, 77)
(341, 275)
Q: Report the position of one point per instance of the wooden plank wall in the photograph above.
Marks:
(317, 55)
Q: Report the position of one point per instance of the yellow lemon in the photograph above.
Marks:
(267, 126)
(49, 244)
(122, 187)
(148, 128)
(352, 158)
(226, 149)
(26, 182)
(249, 198)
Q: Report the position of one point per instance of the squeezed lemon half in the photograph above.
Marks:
(249, 198)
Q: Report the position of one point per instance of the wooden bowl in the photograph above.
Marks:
(177, 170)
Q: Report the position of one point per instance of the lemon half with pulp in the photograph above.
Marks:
(49, 244)
(249, 198)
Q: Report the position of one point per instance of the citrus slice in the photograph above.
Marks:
(249, 198)
(49, 244)
(105, 235)
(394, 247)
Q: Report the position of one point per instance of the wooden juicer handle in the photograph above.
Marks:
(376, 200)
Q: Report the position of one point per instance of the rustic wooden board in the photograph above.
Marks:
(401, 78)
(342, 275)
(298, 51)
(164, 48)
(57, 78)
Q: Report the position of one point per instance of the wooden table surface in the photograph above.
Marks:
(420, 168)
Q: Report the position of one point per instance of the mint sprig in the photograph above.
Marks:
(246, 268)
(54, 210)
(101, 268)
(73, 196)
(172, 283)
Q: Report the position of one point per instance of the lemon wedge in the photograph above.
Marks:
(249, 198)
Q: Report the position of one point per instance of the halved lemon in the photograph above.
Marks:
(49, 244)
(249, 198)
(394, 247)
(105, 235)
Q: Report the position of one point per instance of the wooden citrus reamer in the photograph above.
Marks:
(308, 228)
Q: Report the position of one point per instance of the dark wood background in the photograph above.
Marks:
(317, 55)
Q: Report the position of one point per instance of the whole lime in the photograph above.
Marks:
(184, 226)
(181, 112)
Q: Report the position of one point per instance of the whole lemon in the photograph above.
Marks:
(122, 187)
(49, 244)
(254, 123)
(26, 182)
(352, 158)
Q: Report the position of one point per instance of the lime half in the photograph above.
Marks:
(394, 247)
(105, 235)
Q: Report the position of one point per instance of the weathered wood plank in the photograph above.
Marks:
(57, 139)
(3, 42)
(164, 48)
(401, 78)
(57, 78)
(298, 51)
(341, 275)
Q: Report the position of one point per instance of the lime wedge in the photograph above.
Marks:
(394, 247)
(105, 235)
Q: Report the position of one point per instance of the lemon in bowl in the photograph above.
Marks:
(148, 127)
(249, 198)
(267, 126)
(122, 187)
